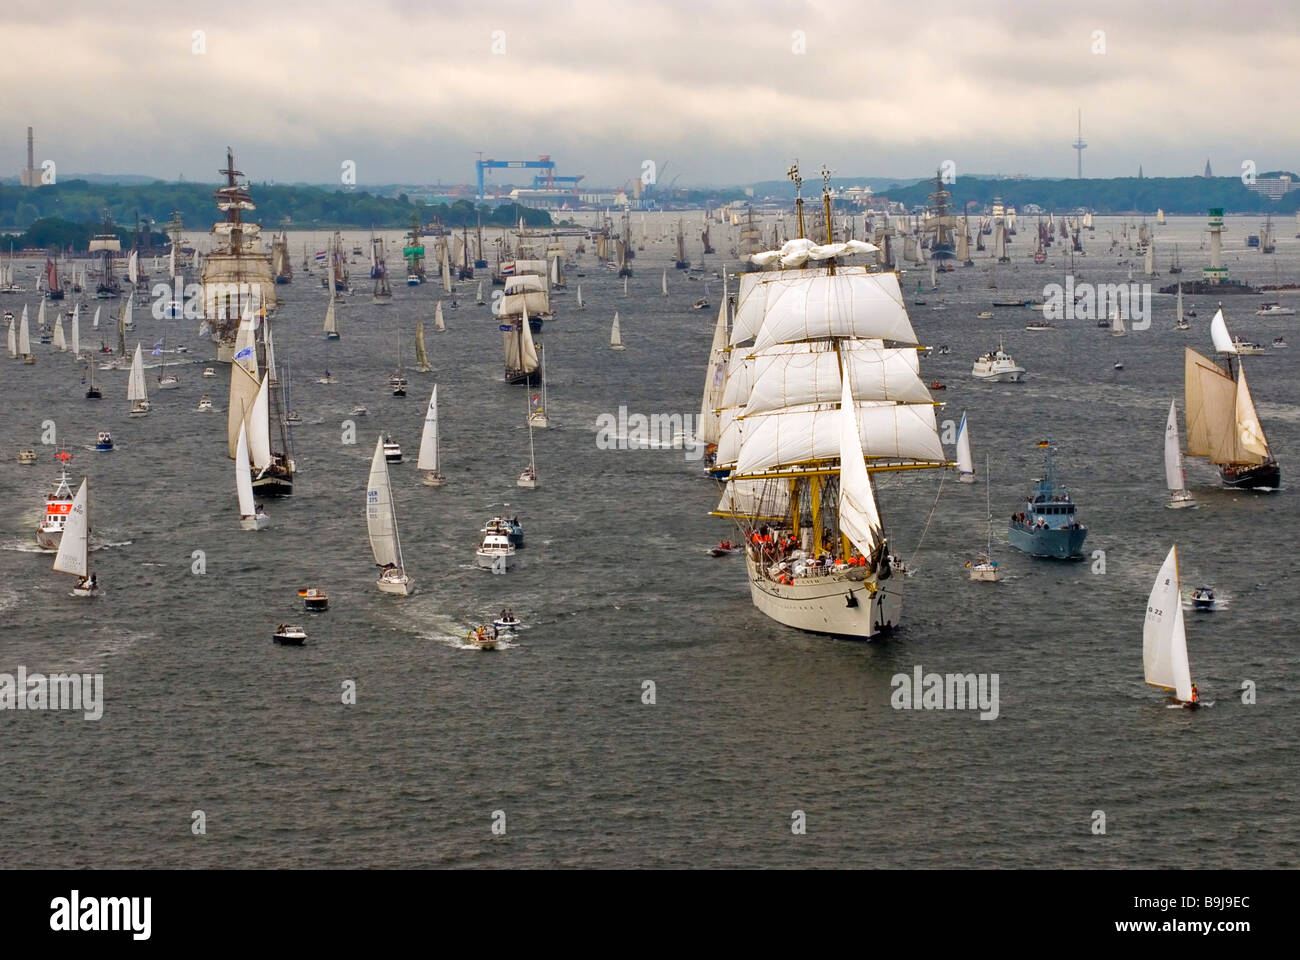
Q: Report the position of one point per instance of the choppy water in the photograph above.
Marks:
(752, 721)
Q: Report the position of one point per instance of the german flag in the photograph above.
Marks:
(1044, 443)
(302, 593)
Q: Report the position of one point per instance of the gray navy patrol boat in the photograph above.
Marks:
(1048, 526)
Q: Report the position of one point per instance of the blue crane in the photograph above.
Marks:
(543, 163)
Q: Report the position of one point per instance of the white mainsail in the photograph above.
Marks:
(1116, 323)
(243, 476)
(259, 426)
(1164, 641)
(94, 323)
(1149, 264)
(135, 386)
(664, 283)
(76, 329)
(1175, 479)
(381, 524)
(421, 353)
(965, 464)
(580, 306)
(615, 337)
(1219, 334)
(331, 324)
(60, 342)
(446, 270)
(429, 437)
(13, 338)
(1179, 303)
(439, 322)
(858, 516)
(246, 345)
(243, 394)
(133, 267)
(74, 547)
(24, 336)
(40, 317)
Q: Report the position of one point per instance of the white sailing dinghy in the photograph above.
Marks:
(251, 516)
(965, 465)
(1116, 323)
(135, 387)
(1164, 639)
(439, 322)
(615, 337)
(74, 547)
(381, 525)
(1175, 479)
(428, 461)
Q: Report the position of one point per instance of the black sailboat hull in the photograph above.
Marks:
(530, 379)
(1252, 478)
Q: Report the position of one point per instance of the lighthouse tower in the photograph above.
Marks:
(1216, 272)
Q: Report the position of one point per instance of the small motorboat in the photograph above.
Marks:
(725, 548)
(986, 315)
(700, 304)
(1038, 325)
(293, 416)
(1279, 343)
(27, 456)
(104, 441)
(508, 622)
(205, 402)
(209, 373)
(392, 450)
(290, 634)
(325, 379)
(484, 639)
(169, 381)
(1119, 364)
(1203, 598)
(314, 600)
(359, 411)
(936, 385)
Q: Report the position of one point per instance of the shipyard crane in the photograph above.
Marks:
(543, 162)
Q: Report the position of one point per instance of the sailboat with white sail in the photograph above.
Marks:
(1164, 637)
(251, 516)
(74, 547)
(528, 478)
(439, 321)
(1181, 322)
(25, 339)
(615, 335)
(581, 305)
(381, 526)
(709, 429)
(1116, 323)
(76, 330)
(60, 341)
(1175, 479)
(331, 322)
(430, 445)
(965, 465)
(135, 386)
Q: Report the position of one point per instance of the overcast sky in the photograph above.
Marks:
(713, 88)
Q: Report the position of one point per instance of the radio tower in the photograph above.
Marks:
(1079, 145)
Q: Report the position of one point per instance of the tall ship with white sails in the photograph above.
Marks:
(825, 390)
(237, 274)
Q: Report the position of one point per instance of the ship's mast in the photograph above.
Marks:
(793, 174)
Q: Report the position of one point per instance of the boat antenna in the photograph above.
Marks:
(793, 174)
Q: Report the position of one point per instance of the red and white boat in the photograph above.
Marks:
(58, 504)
